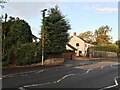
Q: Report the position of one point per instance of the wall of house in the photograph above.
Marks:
(68, 48)
(81, 46)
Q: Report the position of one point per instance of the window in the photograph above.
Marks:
(77, 44)
(85, 45)
(80, 52)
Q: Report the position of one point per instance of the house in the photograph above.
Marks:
(78, 45)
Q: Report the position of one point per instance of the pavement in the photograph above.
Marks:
(98, 65)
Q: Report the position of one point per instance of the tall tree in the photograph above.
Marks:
(56, 31)
(87, 36)
(15, 31)
(102, 35)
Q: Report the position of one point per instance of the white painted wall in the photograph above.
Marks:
(82, 47)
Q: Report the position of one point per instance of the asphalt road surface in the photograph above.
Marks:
(73, 74)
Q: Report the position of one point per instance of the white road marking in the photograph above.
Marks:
(108, 87)
(88, 70)
(102, 67)
(65, 77)
(113, 66)
(59, 80)
(33, 85)
(116, 84)
(40, 71)
(0, 78)
(23, 73)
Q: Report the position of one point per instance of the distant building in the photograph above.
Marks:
(78, 45)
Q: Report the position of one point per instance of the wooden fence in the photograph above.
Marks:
(102, 54)
(69, 55)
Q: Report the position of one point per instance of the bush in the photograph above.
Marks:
(8, 57)
(23, 54)
(107, 47)
(29, 53)
(5, 63)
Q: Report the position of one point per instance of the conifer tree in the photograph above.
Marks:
(56, 31)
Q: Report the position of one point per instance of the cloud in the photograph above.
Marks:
(107, 10)
(26, 9)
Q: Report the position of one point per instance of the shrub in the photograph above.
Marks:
(5, 63)
(23, 54)
(29, 53)
(107, 47)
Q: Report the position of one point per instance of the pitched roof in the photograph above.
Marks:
(79, 38)
(71, 46)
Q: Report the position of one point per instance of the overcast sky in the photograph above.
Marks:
(83, 16)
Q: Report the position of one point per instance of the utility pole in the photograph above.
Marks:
(43, 34)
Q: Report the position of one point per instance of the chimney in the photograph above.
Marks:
(74, 34)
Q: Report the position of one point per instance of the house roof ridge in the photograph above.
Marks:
(81, 39)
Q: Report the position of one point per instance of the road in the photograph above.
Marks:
(73, 74)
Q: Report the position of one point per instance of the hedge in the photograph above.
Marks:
(107, 47)
(23, 54)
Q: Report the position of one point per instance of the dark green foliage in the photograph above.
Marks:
(118, 43)
(15, 30)
(15, 33)
(24, 54)
(28, 53)
(107, 47)
(56, 28)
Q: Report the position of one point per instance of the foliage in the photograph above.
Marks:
(107, 47)
(15, 30)
(56, 27)
(87, 36)
(118, 43)
(102, 36)
(99, 37)
(28, 53)
(15, 33)
(23, 54)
